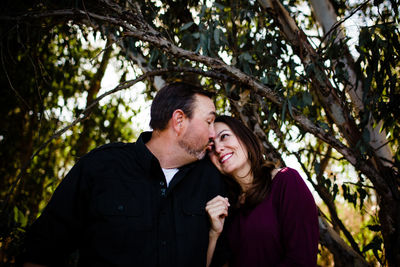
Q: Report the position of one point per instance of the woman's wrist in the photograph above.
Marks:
(214, 234)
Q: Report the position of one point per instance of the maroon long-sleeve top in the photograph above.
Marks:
(281, 231)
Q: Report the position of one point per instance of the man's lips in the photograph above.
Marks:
(225, 157)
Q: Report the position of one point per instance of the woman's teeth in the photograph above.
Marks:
(225, 157)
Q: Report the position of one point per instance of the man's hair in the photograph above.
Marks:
(171, 97)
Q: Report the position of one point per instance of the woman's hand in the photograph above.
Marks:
(217, 209)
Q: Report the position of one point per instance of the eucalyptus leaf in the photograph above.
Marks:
(186, 26)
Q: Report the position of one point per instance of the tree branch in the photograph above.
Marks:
(336, 245)
(155, 38)
(327, 94)
(86, 113)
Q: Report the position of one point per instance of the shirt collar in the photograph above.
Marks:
(148, 159)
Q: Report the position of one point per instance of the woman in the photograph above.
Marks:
(273, 218)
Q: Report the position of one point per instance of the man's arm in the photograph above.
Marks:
(53, 236)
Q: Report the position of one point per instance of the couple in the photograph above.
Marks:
(144, 203)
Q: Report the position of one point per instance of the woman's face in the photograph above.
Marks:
(228, 153)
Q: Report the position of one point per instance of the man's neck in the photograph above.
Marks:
(164, 147)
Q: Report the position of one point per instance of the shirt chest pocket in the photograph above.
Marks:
(193, 217)
(125, 203)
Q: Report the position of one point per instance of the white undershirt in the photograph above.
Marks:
(169, 174)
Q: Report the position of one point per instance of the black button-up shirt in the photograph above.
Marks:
(114, 206)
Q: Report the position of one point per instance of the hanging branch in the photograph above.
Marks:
(134, 26)
(325, 195)
(326, 93)
(86, 113)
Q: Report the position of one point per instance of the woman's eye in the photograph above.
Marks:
(223, 136)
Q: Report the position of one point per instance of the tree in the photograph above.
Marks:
(44, 73)
(289, 78)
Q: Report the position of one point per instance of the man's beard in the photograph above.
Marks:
(197, 153)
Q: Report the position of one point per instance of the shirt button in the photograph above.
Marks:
(163, 243)
(162, 183)
(163, 191)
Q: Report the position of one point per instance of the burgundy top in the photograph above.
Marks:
(280, 231)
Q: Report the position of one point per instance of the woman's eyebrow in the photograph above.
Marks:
(219, 134)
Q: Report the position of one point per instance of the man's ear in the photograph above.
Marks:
(178, 121)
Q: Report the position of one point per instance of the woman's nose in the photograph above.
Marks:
(218, 147)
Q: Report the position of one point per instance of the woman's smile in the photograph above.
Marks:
(228, 154)
(225, 157)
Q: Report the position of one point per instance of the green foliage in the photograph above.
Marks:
(46, 72)
(52, 58)
(379, 48)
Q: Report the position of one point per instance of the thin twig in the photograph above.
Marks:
(134, 28)
(338, 23)
(85, 114)
(10, 83)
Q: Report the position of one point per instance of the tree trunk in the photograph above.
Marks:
(385, 185)
(84, 139)
(330, 239)
(135, 26)
(326, 17)
(389, 213)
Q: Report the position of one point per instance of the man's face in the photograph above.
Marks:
(200, 128)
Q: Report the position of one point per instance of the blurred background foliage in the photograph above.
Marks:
(55, 60)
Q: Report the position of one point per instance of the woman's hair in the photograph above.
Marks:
(260, 168)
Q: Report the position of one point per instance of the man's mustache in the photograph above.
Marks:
(210, 144)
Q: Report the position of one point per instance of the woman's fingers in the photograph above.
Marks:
(217, 207)
(217, 215)
(217, 210)
(218, 199)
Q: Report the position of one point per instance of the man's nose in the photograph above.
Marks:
(211, 132)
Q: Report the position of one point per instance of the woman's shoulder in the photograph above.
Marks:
(287, 176)
(285, 172)
(289, 186)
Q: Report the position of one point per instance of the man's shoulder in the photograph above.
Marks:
(206, 163)
(121, 147)
(205, 169)
(112, 146)
(111, 151)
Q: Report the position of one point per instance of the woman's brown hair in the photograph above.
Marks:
(260, 168)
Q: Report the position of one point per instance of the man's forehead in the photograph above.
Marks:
(205, 103)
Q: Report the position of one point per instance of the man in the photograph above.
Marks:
(137, 204)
